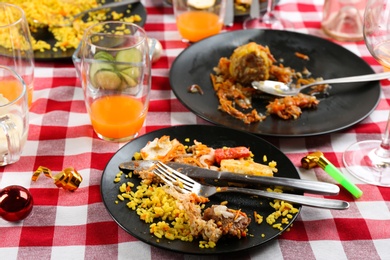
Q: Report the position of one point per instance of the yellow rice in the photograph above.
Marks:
(49, 13)
(168, 220)
(155, 206)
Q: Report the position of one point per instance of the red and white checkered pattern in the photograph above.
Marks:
(67, 225)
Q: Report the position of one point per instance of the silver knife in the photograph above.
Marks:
(254, 11)
(229, 13)
(314, 187)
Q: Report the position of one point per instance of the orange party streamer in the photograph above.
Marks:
(68, 178)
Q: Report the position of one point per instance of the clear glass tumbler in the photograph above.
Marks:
(197, 20)
(15, 44)
(13, 116)
(343, 19)
(115, 73)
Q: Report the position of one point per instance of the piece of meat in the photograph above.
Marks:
(231, 153)
(231, 222)
(250, 62)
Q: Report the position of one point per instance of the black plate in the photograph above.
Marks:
(45, 35)
(346, 105)
(216, 137)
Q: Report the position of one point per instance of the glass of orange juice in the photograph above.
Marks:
(115, 73)
(16, 50)
(198, 19)
(13, 116)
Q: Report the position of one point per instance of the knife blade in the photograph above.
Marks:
(254, 11)
(229, 13)
(314, 187)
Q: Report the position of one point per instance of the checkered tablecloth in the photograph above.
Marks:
(66, 225)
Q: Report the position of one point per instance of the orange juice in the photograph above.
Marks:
(11, 89)
(30, 90)
(115, 117)
(196, 25)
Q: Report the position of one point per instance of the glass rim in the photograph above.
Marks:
(18, 20)
(88, 33)
(19, 79)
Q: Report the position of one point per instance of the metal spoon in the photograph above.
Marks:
(281, 89)
(109, 5)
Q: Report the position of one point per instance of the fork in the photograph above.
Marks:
(186, 185)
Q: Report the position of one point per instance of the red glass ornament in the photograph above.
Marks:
(16, 203)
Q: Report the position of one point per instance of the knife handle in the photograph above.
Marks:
(314, 187)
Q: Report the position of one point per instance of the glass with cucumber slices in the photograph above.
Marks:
(116, 77)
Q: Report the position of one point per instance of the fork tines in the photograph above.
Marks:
(173, 178)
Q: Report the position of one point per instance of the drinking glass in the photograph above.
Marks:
(269, 20)
(13, 116)
(369, 160)
(197, 20)
(115, 74)
(343, 19)
(15, 45)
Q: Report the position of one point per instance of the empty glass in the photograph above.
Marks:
(269, 20)
(369, 160)
(343, 19)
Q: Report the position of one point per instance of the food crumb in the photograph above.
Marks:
(137, 156)
(258, 217)
(206, 244)
(302, 56)
(272, 164)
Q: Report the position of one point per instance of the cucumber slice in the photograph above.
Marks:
(130, 55)
(97, 66)
(106, 79)
(133, 72)
(129, 81)
(102, 55)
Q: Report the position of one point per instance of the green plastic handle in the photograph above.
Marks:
(340, 178)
